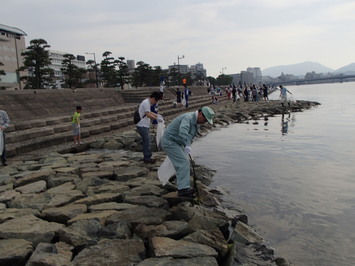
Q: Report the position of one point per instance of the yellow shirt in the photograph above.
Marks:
(76, 118)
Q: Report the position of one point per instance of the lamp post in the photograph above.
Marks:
(223, 68)
(179, 57)
(96, 78)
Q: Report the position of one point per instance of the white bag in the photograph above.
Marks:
(1, 142)
(183, 102)
(166, 171)
(159, 135)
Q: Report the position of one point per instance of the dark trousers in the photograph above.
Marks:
(3, 156)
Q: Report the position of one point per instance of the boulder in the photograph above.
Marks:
(123, 252)
(167, 247)
(14, 251)
(30, 228)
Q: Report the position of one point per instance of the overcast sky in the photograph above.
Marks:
(222, 34)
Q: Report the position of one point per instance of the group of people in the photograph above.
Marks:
(182, 97)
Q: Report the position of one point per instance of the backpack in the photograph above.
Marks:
(137, 117)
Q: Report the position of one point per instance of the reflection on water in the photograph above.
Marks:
(294, 176)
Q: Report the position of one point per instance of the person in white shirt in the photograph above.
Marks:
(4, 124)
(144, 124)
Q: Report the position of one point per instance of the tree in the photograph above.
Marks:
(108, 72)
(36, 62)
(224, 80)
(122, 72)
(73, 74)
(93, 67)
(142, 75)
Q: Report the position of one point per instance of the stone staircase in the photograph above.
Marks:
(41, 133)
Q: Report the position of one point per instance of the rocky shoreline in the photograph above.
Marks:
(99, 204)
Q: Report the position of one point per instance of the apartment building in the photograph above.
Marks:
(56, 58)
(12, 44)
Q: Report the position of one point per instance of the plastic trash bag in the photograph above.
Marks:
(1, 142)
(166, 171)
(159, 135)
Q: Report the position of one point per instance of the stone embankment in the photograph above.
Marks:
(99, 204)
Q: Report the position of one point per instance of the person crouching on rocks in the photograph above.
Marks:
(176, 142)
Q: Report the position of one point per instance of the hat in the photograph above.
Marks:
(208, 113)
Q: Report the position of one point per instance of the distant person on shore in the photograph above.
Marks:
(265, 92)
(234, 93)
(76, 125)
(178, 97)
(176, 142)
(4, 124)
(186, 94)
(283, 95)
(144, 124)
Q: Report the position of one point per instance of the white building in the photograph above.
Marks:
(257, 76)
(12, 44)
(56, 58)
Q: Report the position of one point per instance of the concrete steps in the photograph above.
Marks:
(31, 135)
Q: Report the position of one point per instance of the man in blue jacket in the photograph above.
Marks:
(176, 142)
(4, 124)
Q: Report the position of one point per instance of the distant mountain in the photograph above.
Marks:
(296, 69)
(346, 70)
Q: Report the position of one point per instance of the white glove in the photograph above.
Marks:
(187, 149)
(160, 119)
(78, 126)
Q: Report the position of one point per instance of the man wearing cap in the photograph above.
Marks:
(176, 142)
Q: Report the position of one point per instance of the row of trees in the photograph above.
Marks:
(111, 72)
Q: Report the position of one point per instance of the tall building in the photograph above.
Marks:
(56, 58)
(12, 44)
(256, 74)
(131, 66)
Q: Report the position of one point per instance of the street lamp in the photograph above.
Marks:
(179, 57)
(96, 78)
(223, 68)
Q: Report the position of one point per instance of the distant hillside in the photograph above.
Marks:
(296, 69)
(347, 70)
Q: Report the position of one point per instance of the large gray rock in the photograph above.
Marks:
(100, 198)
(130, 172)
(140, 214)
(172, 229)
(12, 213)
(167, 247)
(213, 238)
(34, 177)
(58, 254)
(14, 251)
(245, 234)
(34, 187)
(81, 233)
(34, 201)
(29, 228)
(109, 187)
(112, 252)
(169, 261)
(101, 216)
(63, 214)
(149, 201)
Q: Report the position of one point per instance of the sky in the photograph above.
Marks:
(226, 36)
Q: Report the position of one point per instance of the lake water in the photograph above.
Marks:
(294, 176)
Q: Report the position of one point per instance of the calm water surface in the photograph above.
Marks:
(294, 176)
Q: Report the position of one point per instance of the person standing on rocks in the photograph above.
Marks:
(4, 124)
(283, 94)
(144, 124)
(76, 125)
(176, 142)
